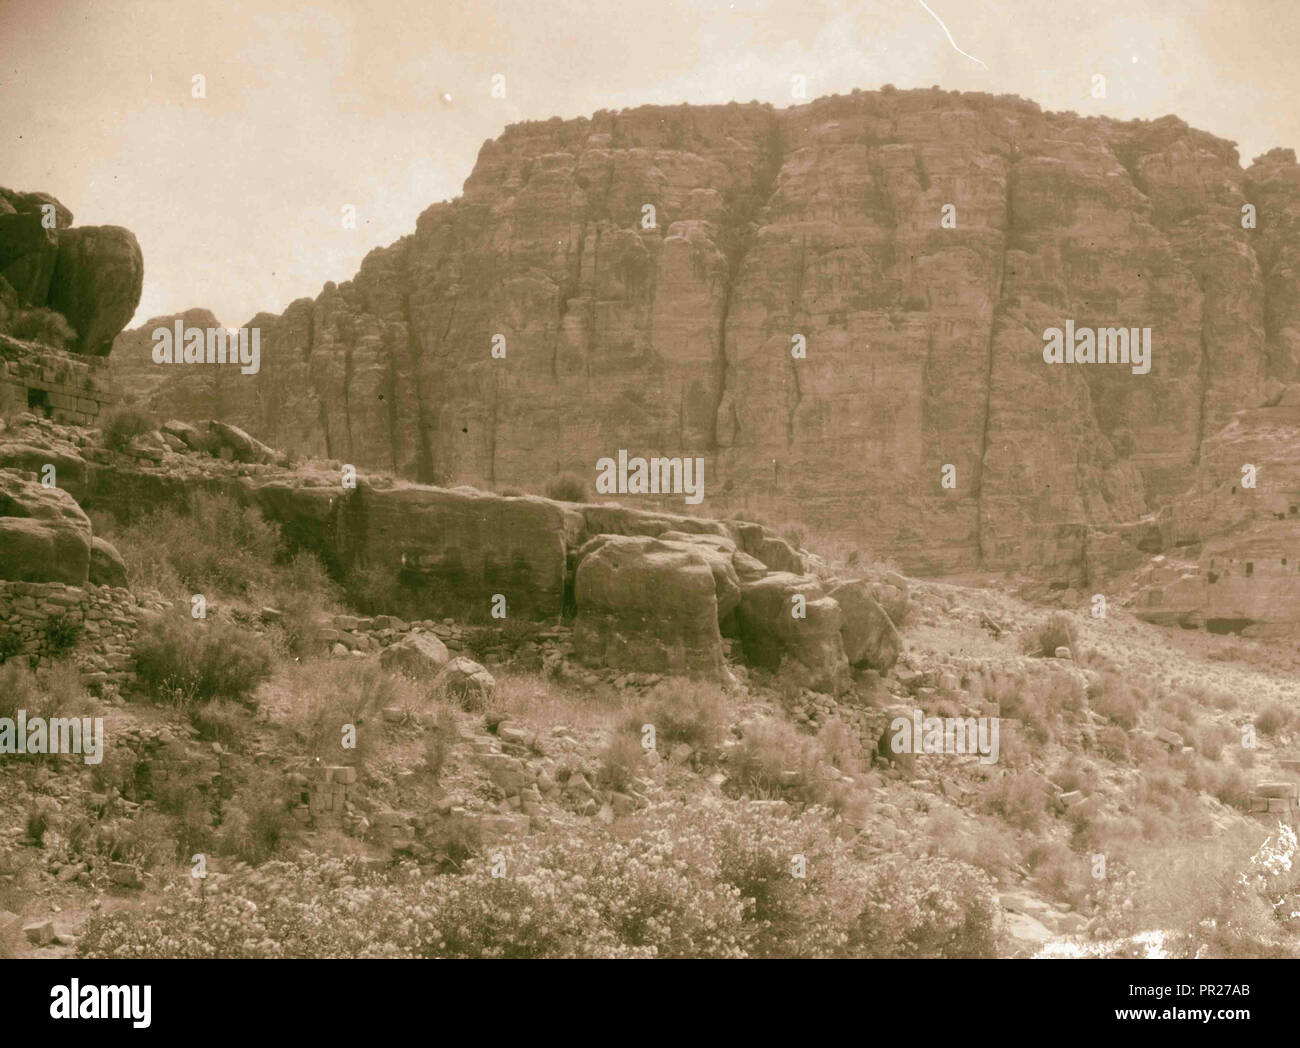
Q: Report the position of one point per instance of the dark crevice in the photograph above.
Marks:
(740, 229)
(988, 370)
(423, 446)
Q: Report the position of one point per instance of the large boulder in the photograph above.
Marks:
(34, 203)
(28, 251)
(719, 551)
(417, 655)
(467, 681)
(456, 550)
(777, 554)
(777, 630)
(96, 283)
(648, 605)
(870, 638)
(107, 568)
(44, 535)
(227, 441)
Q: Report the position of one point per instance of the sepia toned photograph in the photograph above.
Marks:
(674, 479)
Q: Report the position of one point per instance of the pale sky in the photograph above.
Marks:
(236, 198)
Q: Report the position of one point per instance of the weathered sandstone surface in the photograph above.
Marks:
(91, 275)
(647, 592)
(822, 220)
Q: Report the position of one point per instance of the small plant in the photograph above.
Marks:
(61, 633)
(256, 821)
(1112, 743)
(44, 326)
(452, 841)
(220, 721)
(38, 821)
(122, 427)
(203, 661)
(1272, 720)
(566, 487)
(11, 644)
(621, 762)
(1018, 798)
(1057, 632)
(683, 711)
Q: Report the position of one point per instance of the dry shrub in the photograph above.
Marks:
(1058, 632)
(692, 712)
(1019, 798)
(316, 698)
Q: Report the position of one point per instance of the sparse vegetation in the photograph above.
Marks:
(566, 487)
(43, 325)
(124, 425)
(1058, 632)
(186, 661)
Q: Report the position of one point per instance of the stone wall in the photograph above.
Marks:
(65, 387)
(107, 618)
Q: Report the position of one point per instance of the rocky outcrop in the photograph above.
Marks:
(90, 275)
(870, 638)
(106, 565)
(647, 604)
(44, 535)
(28, 252)
(418, 655)
(96, 284)
(1234, 535)
(647, 598)
(787, 621)
(818, 225)
(175, 391)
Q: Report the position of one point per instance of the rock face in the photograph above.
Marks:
(96, 284)
(175, 391)
(106, 565)
(91, 275)
(647, 604)
(44, 535)
(788, 621)
(27, 254)
(418, 655)
(817, 225)
(870, 638)
(1234, 534)
(448, 552)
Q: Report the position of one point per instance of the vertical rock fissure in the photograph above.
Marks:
(988, 369)
(794, 407)
(492, 430)
(737, 238)
(423, 447)
(347, 395)
(1203, 377)
(390, 414)
(567, 292)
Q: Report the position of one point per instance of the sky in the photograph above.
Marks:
(236, 197)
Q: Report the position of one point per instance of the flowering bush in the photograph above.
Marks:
(1272, 876)
(708, 880)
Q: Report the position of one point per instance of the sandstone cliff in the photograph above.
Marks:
(822, 220)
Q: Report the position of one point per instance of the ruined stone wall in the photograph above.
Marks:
(105, 618)
(58, 385)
